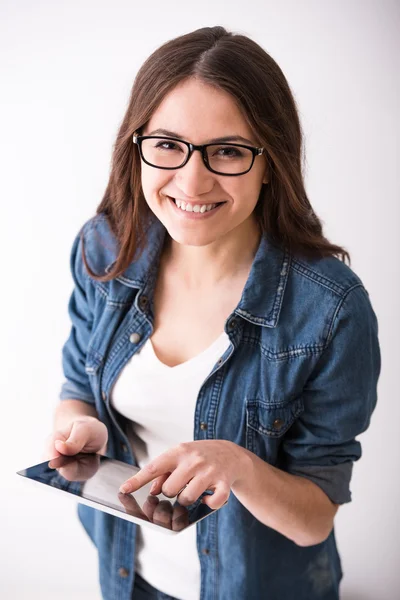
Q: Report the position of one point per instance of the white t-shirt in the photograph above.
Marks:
(160, 403)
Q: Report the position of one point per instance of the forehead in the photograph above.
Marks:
(198, 111)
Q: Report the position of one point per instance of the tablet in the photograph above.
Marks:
(94, 480)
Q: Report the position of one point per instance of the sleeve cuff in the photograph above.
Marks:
(72, 392)
(333, 480)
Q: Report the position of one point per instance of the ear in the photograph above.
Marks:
(265, 178)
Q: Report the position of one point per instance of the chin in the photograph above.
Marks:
(187, 238)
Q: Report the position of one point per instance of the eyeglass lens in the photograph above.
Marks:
(162, 152)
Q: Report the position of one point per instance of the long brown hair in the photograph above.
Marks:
(238, 65)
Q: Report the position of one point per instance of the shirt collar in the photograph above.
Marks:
(262, 295)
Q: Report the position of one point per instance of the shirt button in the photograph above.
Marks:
(278, 423)
(203, 426)
(205, 551)
(220, 361)
(135, 338)
(143, 301)
(123, 572)
(124, 447)
(232, 324)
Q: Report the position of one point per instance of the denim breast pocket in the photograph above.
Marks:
(267, 423)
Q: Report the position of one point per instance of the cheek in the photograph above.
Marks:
(246, 196)
(153, 180)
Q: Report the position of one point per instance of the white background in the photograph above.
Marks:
(66, 73)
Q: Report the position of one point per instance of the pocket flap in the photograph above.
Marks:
(272, 420)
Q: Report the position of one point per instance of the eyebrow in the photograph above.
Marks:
(227, 138)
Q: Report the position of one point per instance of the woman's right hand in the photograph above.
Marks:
(83, 434)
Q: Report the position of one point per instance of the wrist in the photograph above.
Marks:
(244, 465)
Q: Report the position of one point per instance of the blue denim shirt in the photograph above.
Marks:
(296, 386)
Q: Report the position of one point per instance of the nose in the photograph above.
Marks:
(194, 178)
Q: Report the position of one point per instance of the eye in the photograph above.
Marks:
(167, 145)
(228, 152)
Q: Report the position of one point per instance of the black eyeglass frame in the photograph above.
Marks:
(137, 139)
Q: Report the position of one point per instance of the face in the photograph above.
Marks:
(198, 113)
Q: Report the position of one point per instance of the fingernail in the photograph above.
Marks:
(124, 488)
(153, 488)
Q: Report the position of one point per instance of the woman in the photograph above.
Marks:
(219, 341)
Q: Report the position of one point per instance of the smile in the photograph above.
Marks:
(195, 210)
(195, 207)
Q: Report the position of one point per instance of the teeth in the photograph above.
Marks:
(201, 208)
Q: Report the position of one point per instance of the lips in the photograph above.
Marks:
(195, 207)
(195, 211)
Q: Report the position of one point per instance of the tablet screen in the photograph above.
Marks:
(94, 480)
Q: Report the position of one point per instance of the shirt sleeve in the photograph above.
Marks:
(339, 399)
(77, 385)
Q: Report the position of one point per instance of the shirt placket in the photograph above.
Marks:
(204, 428)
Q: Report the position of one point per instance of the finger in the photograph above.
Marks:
(219, 498)
(76, 440)
(165, 463)
(193, 490)
(51, 451)
(176, 481)
(158, 483)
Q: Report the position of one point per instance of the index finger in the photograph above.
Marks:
(165, 463)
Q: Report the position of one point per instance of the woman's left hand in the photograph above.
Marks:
(199, 465)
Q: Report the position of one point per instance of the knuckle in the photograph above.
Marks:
(197, 460)
(183, 447)
(224, 488)
(81, 423)
(151, 468)
(79, 429)
(209, 473)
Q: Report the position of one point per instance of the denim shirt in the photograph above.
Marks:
(296, 385)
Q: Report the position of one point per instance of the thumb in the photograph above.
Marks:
(76, 440)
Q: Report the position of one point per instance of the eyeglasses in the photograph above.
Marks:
(173, 153)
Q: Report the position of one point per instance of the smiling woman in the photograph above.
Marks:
(196, 175)
(218, 335)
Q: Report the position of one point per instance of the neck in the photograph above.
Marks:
(230, 256)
